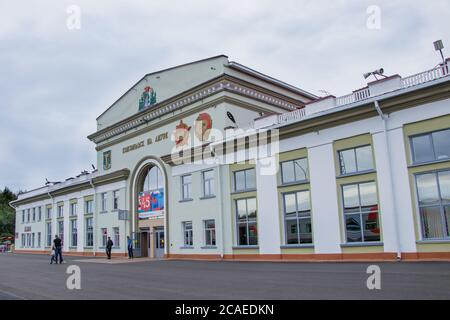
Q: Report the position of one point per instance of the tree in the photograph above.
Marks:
(7, 214)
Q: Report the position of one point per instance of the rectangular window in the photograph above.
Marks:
(49, 213)
(73, 209)
(73, 233)
(23, 240)
(89, 232)
(28, 215)
(39, 213)
(89, 207)
(116, 200)
(210, 233)
(186, 187)
(188, 234)
(23, 216)
(116, 233)
(356, 160)
(39, 239)
(433, 192)
(208, 183)
(361, 212)
(49, 234)
(103, 201)
(297, 215)
(246, 224)
(430, 147)
(104, 233)
(294, 170)
(34, 214)
(60, 211)
(32, 240)
(244, 180)
(61, 230)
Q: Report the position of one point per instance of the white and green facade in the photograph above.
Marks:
(249, 167)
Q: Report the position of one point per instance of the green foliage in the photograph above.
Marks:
(7, 214)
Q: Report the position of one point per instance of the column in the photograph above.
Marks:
(324, 200)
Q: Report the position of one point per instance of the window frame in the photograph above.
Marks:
(441, 206)
(211, 231)
(297, 218)
(185, 197)
(189, 244)
(104, 202)
(211, 184)
(360, 213)
(115, 198)
(247, 222)
(73, 233)
(294, 181)
(431, 141)
(357, 172)
(89, 231)
(246, 188)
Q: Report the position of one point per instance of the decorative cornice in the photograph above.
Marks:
(225, 83)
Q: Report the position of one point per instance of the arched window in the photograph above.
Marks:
(153, 180)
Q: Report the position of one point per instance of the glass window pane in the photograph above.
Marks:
(364, 158)
(241, 209)
(353, 228)
(447, 220)
(368, 196)
(251, 208)
(287, 169)
(305, 231)
(289, 205)
(291, 232)
(242, 234)
(444, 186)
(303, 201)
(422, 149)
(252, 234)
(239, 178)
(432, 222)
(427, 189)
(371, 226)
(301, 169)
(251, 179)
(348, 161)
(351, 198)
(441, 142)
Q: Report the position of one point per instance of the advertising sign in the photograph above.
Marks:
(151, 204)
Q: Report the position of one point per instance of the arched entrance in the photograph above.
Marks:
(149, 208)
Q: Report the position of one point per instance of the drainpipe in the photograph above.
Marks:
(95, 217)
(222, 231)
(384, 118)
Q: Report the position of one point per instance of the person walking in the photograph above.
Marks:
(53, 255)
(130, 247)
(109, 246)
(57, 243)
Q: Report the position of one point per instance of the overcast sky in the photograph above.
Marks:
(54, 81)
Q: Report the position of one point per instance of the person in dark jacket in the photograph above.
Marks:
(109, 245)
(57, 243)
(130, 247)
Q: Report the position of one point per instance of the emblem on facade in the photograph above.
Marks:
(181, 134)
(107, 160)
(203, 125)
(148, 98)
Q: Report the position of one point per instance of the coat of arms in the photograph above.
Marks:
(181, 134)
(203, 125)
(147, 99)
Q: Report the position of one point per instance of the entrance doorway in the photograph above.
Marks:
(144, 244)
(159, 242)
